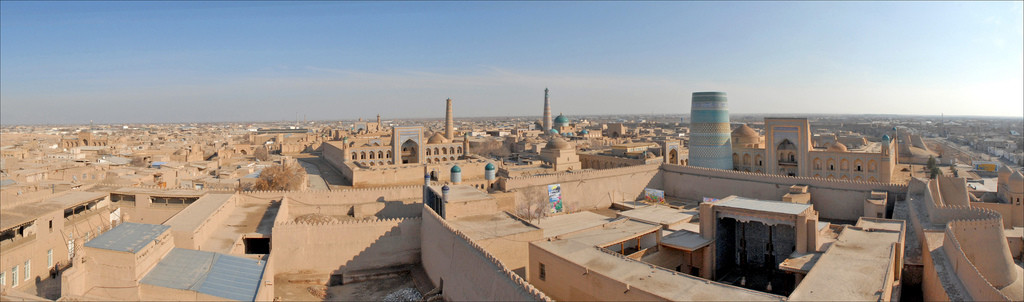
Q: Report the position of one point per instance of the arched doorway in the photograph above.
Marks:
(410, 152)
(787, 158)
(673, 157)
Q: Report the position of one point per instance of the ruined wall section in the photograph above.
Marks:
(974, 245)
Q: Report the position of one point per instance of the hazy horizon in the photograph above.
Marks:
(183, 62)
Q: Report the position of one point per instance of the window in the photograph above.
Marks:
(14, 276)
(28, 269)
(51, 225)
(3, 279)
(49, 258)
(543, 273)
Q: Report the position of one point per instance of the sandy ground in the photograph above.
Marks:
(328, 173)
(308, 286)
(316, 182)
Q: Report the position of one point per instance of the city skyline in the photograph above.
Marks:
(213, 62)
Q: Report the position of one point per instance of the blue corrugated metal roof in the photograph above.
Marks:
(127, 237)
(209, 273)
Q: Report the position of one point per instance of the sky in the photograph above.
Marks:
(154, 62)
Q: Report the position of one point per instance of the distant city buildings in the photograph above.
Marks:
(727, 207)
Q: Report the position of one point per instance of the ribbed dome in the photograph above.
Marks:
(489, 167)
(557, 143)
(744, 131)
(456, 169)
(437, 138)
(744, 135)
(837, 147)
(886, 138)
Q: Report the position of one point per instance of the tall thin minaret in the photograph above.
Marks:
(449, 123)
(547, 112)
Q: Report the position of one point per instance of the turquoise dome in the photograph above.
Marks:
(561, 119)
(456, 169)
(489, 167)
(885, 138)
(584, 131)
(553, 130)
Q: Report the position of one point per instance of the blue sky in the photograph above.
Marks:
(71, 62)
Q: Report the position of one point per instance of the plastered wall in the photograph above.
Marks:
(588, 189)
(345, 246)
(833, 199)
(468, 271)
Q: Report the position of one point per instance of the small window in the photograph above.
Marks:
(28, 269)
(49, 258)
(51, 225)
(14, 276)
(543, 272)
(3, 279)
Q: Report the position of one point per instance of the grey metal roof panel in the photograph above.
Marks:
(234, 278)
(764, 205)
(214, 274)
(180, 269)
(127, 237)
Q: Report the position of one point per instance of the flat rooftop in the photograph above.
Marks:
(491, 226)
(684, 240)
(856, 266)
(568, 223)
(26, 213)
(613, 232)
(659, 214)
(196, 213)
(664, 283)
(209, 273)
(127, 237)
(461, 193)
(246, 218)
(779, 207)
(158, 192)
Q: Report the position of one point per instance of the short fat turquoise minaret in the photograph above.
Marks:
(456, 175)
(489, 172)
(710, 141)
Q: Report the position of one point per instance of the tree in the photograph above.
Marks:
(534, 206)
(138, 161)
(935, 172)
(280, 177)
(493, 148)
(931, 162)
(262, 153)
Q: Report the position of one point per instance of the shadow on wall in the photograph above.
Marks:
(266, 225)
(387, 256)
(397, 208)
(48, 288)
